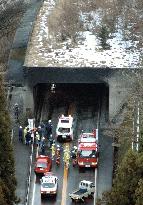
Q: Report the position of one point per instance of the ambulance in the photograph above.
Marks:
(64, 130)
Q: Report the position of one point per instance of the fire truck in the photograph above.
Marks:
(88, 149)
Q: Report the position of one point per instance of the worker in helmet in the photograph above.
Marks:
(24, 134)
(37, 138)
(16, 111)
(58, 154)
(53, 148)
(20, 133)
(48, 128)
(51, 141)
(74, 155)
(74, 152)
(58, 150)
(66, 157)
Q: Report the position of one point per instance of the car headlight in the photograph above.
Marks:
(53, 192)
(94, 163)
(80, 163)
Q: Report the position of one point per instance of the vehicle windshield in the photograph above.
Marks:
(48, 185)
(41, 165)
(87, 153)
(64, 121)
(64, 130)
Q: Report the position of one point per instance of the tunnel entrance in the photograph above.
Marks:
(82, 95)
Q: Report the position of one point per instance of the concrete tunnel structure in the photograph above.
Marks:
(115, 80)
(23, 79)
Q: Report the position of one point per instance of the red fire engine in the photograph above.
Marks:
(88, 149)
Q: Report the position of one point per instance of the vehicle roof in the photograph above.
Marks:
(69, 120)
(87, 182)
(87, 146)
(49, 179)
(88, 133)
(87, 137)
(42, 160)
(42, 157)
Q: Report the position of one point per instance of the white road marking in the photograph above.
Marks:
(95, 193)
(34, 187)
(97, 126)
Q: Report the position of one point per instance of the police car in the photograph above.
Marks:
(49, 185)
(64, 130)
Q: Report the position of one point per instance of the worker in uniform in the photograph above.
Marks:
(66, 156)
(20, 134)
(58, 154)
(42, 146)
(53, 148)
(28, 137)
(37, 139)
(48, 128)
(16, 111)
(51, 140)
(58, 150)
(24, 135)
(74, 155)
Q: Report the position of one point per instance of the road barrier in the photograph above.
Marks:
(29, 177)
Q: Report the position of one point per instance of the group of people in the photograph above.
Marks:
(39, 135)
(36, 135)
(67, 154)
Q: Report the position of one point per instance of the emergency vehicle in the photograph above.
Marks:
(43, 164)
(64, 130)
(49, 185)
(88, 150)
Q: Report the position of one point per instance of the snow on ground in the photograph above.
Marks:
(42, 51)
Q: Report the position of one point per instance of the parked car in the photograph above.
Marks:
(49, 185)
(43, 164)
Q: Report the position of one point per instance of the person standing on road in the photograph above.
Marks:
(24, 135)
(37, 139)
(20, 134)
(28, 137)
(50, 141)
(43, 129)
(53, 148)
(40, 131)
(66, 157)
(16, 111)
(48, 128)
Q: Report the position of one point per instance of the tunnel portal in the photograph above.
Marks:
(81, 95)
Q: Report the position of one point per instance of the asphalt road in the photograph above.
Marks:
(88, 112)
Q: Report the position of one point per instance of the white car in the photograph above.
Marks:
(49, 185)
(64, 130)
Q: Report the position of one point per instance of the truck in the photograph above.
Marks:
(85, 190)
(88, 150)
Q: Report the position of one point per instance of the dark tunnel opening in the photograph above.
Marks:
(84, 95)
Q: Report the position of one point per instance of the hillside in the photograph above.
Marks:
(11, 13)
(75, 33)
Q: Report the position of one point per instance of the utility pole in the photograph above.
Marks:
(138, 127)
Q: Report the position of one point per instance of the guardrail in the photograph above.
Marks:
(29, 176)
